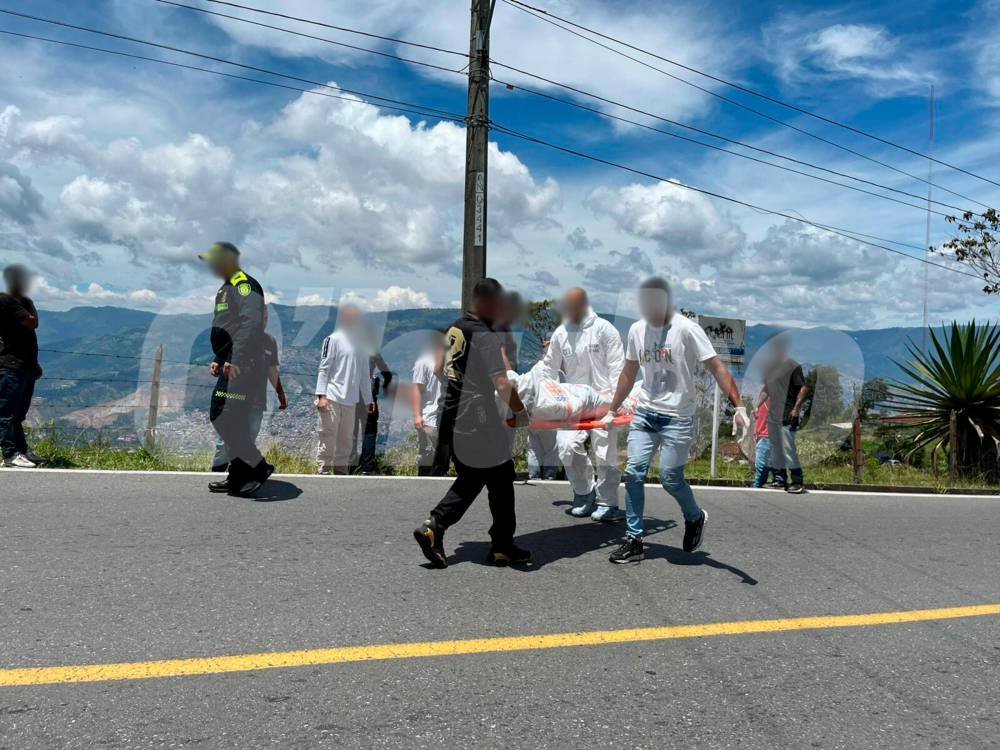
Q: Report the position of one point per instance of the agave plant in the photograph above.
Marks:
(959, 374)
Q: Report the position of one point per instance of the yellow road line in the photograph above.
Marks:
(341, 655)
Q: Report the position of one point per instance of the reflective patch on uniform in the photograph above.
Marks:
(231, 396)
(237, 277)
(222, 307)
(244, 289)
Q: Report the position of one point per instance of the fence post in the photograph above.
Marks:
(857, 454)
(154, 401)
(953, 448)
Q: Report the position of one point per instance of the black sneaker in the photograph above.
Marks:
(431, 541)
(512, 555)
(777, 484)
(221, 486)
(630, 552)
(693, 532)
(795, 488)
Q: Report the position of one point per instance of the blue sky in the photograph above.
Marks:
(114, 172)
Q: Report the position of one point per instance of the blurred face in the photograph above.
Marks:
(489, 308)
(18, 280)
(654, 306)
(575, 305)
(349, 318)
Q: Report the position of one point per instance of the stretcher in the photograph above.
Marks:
(553, 405)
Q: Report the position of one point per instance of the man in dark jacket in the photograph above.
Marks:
(240, 365)
(19, 368)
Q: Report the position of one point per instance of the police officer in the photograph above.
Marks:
(239, 364)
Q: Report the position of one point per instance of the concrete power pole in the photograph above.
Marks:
(477, 134)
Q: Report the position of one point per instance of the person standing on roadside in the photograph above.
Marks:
(762, 454)
(667, 348)
(343, 382)
(785, 385)
(19, 367)
(426, 390)
(480, 443)
(587, 350)
(238, 342)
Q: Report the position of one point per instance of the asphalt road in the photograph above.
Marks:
(98, 569)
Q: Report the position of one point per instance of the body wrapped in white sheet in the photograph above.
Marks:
(570, 404)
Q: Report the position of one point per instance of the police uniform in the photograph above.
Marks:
(238, 338)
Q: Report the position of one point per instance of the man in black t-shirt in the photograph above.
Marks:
(472, 430)
(19, 368)
(785, 385)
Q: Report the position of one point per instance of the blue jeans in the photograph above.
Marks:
(784, 454)
(673, 436)
(762, 462)
(16, 388)
(221, 457)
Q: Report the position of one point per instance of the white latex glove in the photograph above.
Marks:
(741, 423)
(609, 418)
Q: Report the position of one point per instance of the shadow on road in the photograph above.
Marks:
(558, 543)
(276, 491)
(676, 556)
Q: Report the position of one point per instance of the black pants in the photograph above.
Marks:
(16, 390)
(232, 404)
(499, 484)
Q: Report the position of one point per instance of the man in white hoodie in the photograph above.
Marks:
(587, 350)
(344, 381)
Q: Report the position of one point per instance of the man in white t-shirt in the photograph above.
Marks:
(666, 348)
(426, 392)
(586, 349)
(344, 380)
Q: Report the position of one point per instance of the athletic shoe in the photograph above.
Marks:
(222, 486)
(693, 532)
(777, 484)
(324, 472)
(607, 514)
(431, 541)
(630, 552)
(35, 459)
(583, 505)
(512, 555)
(795, 488)
(19, 461)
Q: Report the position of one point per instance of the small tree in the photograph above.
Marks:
(977, 245)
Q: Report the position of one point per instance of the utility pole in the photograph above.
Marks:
(927, 235)
(154, 401)
(477, 133)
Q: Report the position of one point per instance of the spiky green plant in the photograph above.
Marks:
(960, 374)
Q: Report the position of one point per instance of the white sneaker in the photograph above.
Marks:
(19, 461)
(583, 505)
(607, 514)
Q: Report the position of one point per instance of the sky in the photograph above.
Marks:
(116, 172)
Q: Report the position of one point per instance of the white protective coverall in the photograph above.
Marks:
(590, 353)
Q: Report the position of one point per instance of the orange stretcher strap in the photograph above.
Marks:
(590, 424)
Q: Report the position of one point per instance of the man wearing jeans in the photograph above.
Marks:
(19, 368)
(667, 348)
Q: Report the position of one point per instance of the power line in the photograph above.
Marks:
(757, 112)
(826, 227)
(223, 74)
(608, 115)
(312, 36)
(572, 103)
(341, 28)
(443, 114)
(535, 11)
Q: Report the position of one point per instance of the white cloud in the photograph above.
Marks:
(808, 48)
(53, 297)
(383, 300)
(679, 221)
